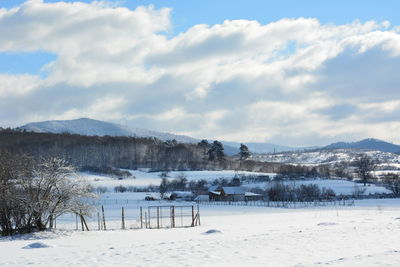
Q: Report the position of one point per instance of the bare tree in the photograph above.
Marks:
(33, 195)
(392, 181)
(365, 165)
(55, 189)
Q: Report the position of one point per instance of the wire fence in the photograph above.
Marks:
(114, 217)
(282, 204)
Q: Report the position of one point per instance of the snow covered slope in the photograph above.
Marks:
(86, 126)
(368, 144)
(325, 156)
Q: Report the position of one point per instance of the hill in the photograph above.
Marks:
(367, 144)
(90, 127)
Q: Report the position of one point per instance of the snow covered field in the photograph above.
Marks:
(143, 178)
(153, 178)
(367, 234)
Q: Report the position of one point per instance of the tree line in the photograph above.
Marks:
(104, 152)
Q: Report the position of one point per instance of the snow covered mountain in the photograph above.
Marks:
(329, 156)
(262, 147)
(86, 126)
(367, 144)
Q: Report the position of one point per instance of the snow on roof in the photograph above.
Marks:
(202, 198)
(182, 193)
(234, 190)
(213, 188)
(215, 193)
(251, 194)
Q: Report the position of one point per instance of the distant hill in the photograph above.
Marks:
(90, 127)
(261, 147)
(367, 144)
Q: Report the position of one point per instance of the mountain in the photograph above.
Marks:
(261, 147)
(86, 126)
(367, 144)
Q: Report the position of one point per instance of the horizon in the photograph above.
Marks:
(227, 141)
(293, 73)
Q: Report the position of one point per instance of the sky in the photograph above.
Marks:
(298, 73)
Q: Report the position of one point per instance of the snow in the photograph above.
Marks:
(92, 127)
(343, 187)
(36, 245)
(367, 234)
(331, 157)
(143, 178)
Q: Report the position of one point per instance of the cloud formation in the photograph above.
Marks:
(293, 81)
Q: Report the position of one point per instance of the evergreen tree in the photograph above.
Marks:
(244, 152)
(216, 152)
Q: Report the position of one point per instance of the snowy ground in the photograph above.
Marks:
(367, 234)
(153, 178)
(143, 178)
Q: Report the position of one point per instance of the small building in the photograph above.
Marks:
(232, 193)
(202, 198)
(181, 195)
(250, 196)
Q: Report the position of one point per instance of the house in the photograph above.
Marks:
(250, 196)
(202, 198)
(232, 193)
(181, 195)
(227, 193)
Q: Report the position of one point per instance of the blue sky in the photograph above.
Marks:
(294, 73)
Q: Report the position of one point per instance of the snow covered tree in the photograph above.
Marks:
(244, 152)
(55, 189)
(33, 194)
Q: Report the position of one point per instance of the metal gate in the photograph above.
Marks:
(157, 217)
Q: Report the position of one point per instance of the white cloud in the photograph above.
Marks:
(293, 81)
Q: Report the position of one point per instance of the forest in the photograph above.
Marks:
(99, 152)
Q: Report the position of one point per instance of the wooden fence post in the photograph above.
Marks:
(104, 218)
(141, 217)
(192, 216)
(123, 219)
(98, 220)
(158, 217)
(173, 217)
(198, 214)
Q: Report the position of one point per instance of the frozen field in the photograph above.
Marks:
(367, 234)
